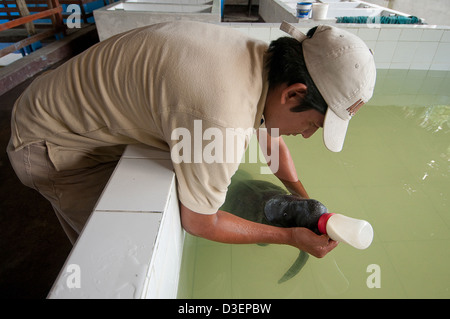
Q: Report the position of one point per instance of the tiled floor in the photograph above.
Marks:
(33, 247)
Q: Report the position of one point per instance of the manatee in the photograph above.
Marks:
(247, 197)
(291, 211)
(266, 203)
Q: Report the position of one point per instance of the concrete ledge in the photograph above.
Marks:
(131, 246)
(126, 15)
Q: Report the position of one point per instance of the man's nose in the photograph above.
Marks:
(309, 132)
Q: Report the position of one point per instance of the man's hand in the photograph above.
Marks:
(308, 241)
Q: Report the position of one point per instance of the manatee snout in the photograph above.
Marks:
(292, 211)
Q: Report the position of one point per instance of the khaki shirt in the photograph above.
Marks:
(143, 86)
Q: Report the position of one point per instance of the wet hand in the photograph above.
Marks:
(308, 241)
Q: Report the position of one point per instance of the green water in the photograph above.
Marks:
(393, 172)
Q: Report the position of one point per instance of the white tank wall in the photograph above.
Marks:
(434, 12)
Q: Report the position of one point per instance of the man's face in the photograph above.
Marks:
(278, 113)
(305, 123)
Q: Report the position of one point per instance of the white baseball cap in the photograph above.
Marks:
(343, 70)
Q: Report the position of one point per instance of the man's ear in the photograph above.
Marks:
(294, 93)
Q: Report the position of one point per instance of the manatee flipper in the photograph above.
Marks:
(296, 267)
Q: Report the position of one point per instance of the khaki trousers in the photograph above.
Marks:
(72, 193)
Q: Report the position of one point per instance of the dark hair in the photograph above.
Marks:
(287, 65)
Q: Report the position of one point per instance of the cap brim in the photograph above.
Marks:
(334, 131)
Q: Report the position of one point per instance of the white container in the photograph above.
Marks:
(303, 10)
(319, 11)
(354, 232)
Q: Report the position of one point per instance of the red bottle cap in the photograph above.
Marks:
(322, 223)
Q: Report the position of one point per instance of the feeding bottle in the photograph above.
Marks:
(355, 232)
(292, 211)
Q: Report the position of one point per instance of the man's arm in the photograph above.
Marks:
(285, 170)
(228, 228)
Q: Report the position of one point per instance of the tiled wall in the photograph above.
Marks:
(411, 88)
(395, 47)
(418, 48)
